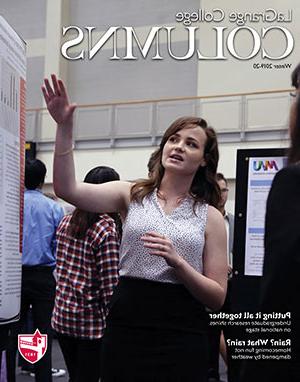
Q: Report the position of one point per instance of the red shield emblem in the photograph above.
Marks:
(32, 347)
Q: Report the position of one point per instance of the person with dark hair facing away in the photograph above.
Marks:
(41, 219)
(173, 250)
(281, 272)
(87, 272)
(280, 282)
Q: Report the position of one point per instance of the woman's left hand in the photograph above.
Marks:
(159, 245)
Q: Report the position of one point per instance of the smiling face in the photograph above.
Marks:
(184, 150)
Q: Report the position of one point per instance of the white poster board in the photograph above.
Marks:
(261, 172)
(12, 146)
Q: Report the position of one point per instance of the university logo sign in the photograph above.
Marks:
(32, 347)
(265, 165)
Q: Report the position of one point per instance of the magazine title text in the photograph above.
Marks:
(84, 42)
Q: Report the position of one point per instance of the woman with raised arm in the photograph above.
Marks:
(173, 251)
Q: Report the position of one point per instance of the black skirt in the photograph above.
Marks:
(155, 332)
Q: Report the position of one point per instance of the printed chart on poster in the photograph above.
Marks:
(261, 172)
(12, 134)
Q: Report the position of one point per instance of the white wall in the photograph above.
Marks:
(233, 75)
(41, 24)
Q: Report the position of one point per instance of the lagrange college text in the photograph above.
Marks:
(273, 21)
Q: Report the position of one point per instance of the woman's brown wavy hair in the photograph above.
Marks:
(204, 186)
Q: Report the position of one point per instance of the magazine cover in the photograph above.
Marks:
(223, 77)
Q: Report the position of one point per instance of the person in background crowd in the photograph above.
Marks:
(87, 272)
(25, 366)
(173, 251)
(216, 338)
(280, 282)
(41, 219)
(228, 218)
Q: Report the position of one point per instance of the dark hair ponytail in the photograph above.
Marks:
(81, 220)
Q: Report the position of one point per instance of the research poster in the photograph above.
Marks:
(12, 145)
(260, 176)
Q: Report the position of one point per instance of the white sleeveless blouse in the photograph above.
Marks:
(185, 227)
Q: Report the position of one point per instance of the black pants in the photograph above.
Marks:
(214, 333)
(38, 290)
(82, 357)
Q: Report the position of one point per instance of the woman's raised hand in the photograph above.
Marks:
(57, 101)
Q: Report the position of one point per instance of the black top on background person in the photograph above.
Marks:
(281, 274)
(280, 282)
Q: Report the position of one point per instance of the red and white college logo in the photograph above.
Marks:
(32, 347)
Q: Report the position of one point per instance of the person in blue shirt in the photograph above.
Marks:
(42, 216)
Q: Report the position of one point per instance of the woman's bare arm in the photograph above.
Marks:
(107, 197)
